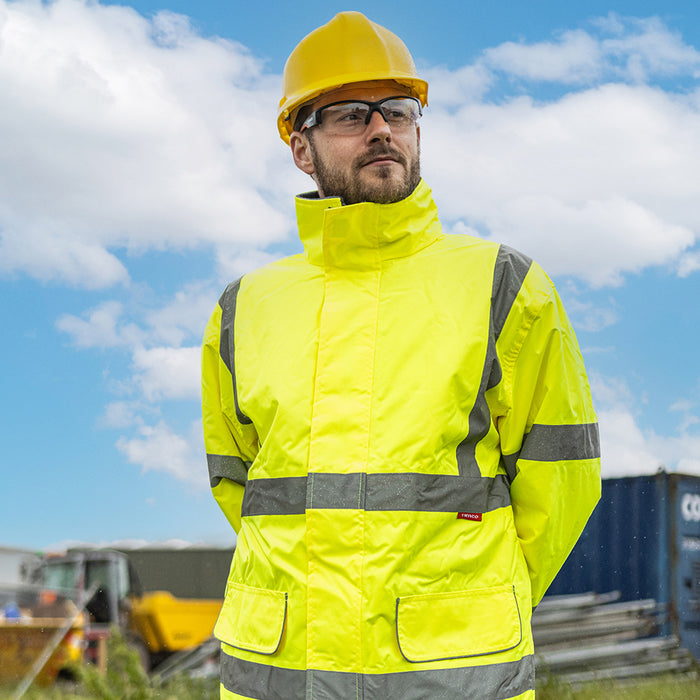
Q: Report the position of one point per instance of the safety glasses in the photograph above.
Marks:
(340, 118)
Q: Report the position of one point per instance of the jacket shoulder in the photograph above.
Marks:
(269, 274)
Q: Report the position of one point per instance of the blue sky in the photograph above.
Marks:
(140, 171)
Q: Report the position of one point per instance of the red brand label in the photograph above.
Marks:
(469, 516)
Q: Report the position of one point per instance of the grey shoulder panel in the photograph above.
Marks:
(508, 276)
(227, 346)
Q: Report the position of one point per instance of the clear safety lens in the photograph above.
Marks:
(351, 117)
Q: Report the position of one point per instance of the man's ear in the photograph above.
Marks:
(301, 152)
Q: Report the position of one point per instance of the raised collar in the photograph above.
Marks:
(360, 236)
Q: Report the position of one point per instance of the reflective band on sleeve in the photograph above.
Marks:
(484, 682)
(554, 443)
(227, 345)
(227, 467)
(375, 492)
(508, 276)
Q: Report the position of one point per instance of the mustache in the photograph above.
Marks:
(379, 151)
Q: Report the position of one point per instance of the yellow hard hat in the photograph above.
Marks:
(349, 49)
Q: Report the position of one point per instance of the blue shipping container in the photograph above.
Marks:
(643, 540)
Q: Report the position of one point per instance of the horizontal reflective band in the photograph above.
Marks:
(488, 682)
(227, 467)
(376, 492)
(556, 443)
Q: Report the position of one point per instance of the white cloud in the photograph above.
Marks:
(626, 448)
(589, 317)
(627, 48)
(646, 47)
(184, 316)
(688, 264)
(232, 261)
(121, 414)
(117, 131)
(597, 184)
(168, 373)
(453, 88)
(575, 58)
(159, 448)
(682, 405)
(101, 327)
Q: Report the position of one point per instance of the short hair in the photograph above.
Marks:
(302, 115)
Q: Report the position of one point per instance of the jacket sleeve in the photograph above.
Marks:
(549, 437)
(230, 438)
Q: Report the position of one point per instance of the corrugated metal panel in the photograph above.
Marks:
(623, 547)
(643, 540)
(685, 560)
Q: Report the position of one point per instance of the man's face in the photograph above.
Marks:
(379, 164)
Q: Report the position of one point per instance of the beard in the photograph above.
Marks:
(384, 187)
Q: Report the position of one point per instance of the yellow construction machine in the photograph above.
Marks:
(74, 603)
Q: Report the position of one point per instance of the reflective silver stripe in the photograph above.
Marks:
(227, 467)
(227, 345)
(554, 443)
(509, 273)
(508, 276)
(480, 416)
(337, 491)
(283, 496)
(436, 492)
(333, 685)
(261, 681)
(375, 492)
(488, 682)
(510, 463)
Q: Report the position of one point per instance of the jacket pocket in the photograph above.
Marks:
(252, 619)
(440, 626)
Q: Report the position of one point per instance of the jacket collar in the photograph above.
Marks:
(364, 235)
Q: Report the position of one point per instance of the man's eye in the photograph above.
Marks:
(350, 116)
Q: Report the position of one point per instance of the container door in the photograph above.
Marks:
(687, 550)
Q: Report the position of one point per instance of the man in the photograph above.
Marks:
(398, 422)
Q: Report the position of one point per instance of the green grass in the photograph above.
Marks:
(125, 680)
(667, 687)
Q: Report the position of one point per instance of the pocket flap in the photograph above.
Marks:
(439, 626)
(252, 619)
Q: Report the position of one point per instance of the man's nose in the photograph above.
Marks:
(378, 129)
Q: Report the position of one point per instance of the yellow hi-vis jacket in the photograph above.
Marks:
(400, 429)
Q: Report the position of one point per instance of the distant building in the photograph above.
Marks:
(189, 572)
(16, 569)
